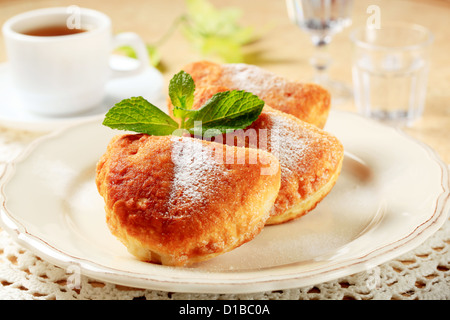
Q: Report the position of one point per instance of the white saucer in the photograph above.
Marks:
(148, 84)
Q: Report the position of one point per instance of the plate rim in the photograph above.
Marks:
(247, 284)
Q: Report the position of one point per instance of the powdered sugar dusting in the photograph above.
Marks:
(251, 78)
(195, 172)
(286, 144)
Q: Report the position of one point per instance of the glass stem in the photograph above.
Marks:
(321, 60)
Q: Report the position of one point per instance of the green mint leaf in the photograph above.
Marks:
(226, 110)
(138, 115)
(181, 90)
(229, 110)
(182, 113)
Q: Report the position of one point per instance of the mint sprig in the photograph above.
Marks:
(226, 110)
(138, 115)
(181, 90)
(229, 110)
(181, 93)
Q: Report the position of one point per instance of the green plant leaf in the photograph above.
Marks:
(216, 31)
(227, 110)
(181, 90)
(153, 53)
(228, 49)
(138, 115)
(183, 113)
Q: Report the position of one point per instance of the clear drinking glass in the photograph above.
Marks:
(390, 71)
(322, 19)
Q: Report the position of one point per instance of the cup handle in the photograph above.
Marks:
(133, 40)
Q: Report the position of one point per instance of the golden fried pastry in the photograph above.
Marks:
(177, 200)
(310, 158)
(306, 101)
(310, 161)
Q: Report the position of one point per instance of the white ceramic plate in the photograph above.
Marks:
(148, 84)
(392, 194)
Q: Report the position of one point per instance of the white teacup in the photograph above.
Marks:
(65, 74)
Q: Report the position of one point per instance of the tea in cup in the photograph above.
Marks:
(59, 58)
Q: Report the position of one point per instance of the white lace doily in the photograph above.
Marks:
(423, 273)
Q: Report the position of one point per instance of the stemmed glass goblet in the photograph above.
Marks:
(322, 19)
